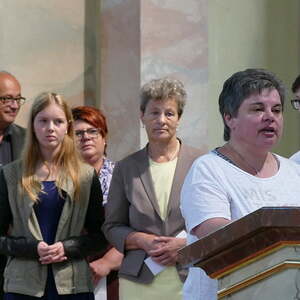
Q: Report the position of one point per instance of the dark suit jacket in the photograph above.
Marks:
(17, 139)
(132, 206)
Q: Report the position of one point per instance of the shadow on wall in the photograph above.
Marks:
(92, 53)
(283, 54)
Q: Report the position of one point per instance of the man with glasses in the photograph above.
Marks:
(296, 105)
(11, 135)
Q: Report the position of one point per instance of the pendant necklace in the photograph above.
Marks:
(244, 160)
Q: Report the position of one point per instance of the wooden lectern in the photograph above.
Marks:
(256, 257)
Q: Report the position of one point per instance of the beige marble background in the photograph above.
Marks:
(147, 39)
(99, 52)
(174, 42)
(48, 47)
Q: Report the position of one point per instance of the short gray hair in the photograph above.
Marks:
(240, 86)
(163, 89)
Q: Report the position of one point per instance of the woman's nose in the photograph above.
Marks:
(162, 118)
(50, 126)
(269, 115)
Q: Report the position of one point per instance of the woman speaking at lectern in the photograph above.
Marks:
(242, 175)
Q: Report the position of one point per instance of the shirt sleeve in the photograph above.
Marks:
(296, 157)
(10, 245)
(116, 226)
(203, 195)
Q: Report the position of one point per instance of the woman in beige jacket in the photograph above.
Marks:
(143, 218)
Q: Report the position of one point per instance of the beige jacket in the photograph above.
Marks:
(132, 206)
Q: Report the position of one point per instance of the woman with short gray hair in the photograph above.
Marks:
(242, 175)
(143, 218)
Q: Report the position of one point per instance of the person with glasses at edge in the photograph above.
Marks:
(11, 135)
(91, 139)
(296, 105)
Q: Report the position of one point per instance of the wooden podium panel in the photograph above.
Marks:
(258, 247)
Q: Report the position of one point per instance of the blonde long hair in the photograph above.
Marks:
(66, 160)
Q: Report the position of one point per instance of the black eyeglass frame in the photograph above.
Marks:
(295, 104)
(5, 99)
(91, 132)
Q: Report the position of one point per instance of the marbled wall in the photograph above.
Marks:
(253, 34)
(174, 42)
(147, 39)
(120, 74)
(48, 46)
(99, 52)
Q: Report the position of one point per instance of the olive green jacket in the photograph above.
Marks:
(23, 273)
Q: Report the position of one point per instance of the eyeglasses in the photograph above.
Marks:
(296, 104)
(6, 100)
(91, 133)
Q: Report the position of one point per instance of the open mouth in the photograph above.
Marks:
(268, 131)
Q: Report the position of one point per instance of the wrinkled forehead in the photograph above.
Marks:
(9, 85)
(261, 94)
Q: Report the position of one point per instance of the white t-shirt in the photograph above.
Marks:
(214, 188)
(296, 157)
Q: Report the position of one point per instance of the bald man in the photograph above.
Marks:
(11, 135)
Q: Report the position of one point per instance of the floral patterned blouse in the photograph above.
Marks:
(105, 176)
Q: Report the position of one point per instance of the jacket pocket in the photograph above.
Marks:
(6, 269)
(24, 270)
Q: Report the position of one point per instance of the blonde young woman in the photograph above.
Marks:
(48, 198)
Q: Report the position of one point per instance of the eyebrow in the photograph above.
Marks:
(256, 103)
(10, 95)
(262, 103)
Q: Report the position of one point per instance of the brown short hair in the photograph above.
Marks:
(91, 115)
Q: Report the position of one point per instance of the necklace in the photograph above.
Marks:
(171, 157)
(243, 159)
(175, 152)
